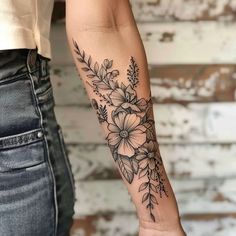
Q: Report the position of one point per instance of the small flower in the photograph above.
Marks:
(126, 134)
(126, 97)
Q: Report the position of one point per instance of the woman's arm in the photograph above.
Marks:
(110, 58)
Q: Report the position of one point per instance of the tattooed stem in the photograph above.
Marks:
(149, 198)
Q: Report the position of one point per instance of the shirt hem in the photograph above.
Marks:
(22, 38)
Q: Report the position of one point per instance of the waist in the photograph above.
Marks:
(15, 63)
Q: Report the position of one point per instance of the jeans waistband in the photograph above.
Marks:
(15, 63)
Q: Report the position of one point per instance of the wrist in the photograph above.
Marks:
(171, 227)
(154, 232)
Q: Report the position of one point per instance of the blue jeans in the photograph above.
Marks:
(37, 191)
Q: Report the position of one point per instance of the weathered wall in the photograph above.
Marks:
(191, 52)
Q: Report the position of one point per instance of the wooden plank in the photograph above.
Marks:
(189, 43)
(201, 196)
(175, 123)
(193, 83)
(171, 10)
(65, 80)
(127, 225)
(181, 10)
(170, 43)
(94, 162)
(169, 84)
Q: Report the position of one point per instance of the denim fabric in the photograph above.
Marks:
(37, 191)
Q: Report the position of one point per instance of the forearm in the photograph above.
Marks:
(110, 58)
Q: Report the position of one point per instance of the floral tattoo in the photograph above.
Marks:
(131, 129)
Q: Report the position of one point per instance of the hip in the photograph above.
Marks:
(36, 180)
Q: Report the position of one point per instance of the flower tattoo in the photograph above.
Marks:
(130, 124)
(126, 133)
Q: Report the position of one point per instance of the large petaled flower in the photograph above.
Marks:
(126, 134)
(126, 97)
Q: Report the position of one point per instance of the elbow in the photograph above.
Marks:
(101, 16)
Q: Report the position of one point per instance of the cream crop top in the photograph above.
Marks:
(26, 24)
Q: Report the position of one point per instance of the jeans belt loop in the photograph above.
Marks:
(43, 67)
(31, 63)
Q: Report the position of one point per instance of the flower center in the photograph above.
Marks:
(151, 155)
(124, 134)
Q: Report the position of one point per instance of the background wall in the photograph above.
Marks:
(191, 49)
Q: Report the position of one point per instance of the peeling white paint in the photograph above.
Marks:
(166, 10)
(181, 161)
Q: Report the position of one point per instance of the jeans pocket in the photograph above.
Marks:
(22, 150)
(66, 158)
(26, 186)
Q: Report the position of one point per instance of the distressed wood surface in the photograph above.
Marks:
(182, 10)
(175, 123)
(94, 162)
(127, 225)
(200, 196)
(169, 43)
(169, 84)
(171, 10)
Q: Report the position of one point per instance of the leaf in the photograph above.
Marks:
(152, 217)
(153, 188)
(110, 64)
(89, 61)
(122, 86)
(145, 197)
(103, 86)
(94, 103)
(135, 165)
(143, 172)
(102, 72)
(80, 59)
(109, 76)
(153, 199)
(96, 67)
(83, 54)
(143, 186)
(115, 156)
(85, 69)
(112, 84)
(126, 168)
(91, 76)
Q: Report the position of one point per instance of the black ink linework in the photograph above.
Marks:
(131, 138)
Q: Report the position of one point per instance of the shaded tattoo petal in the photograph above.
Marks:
(137, 138)
(113, 128)
(143, 164)
(125, 148)
(131, 122)
(130, 93)
(114, 138)
(118, 97)
(133, 107)
(119, 120)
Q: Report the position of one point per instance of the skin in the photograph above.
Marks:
(106, 30)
